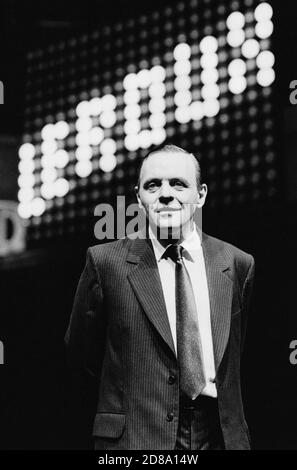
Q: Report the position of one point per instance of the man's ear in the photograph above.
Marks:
(136, 189)
(202, 192)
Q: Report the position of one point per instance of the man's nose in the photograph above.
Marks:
(165, 194)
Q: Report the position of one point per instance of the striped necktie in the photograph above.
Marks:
(189, 350)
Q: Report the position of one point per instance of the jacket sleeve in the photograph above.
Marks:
(85, 336)
(246, 298)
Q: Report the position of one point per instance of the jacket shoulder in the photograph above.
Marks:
(110, 250)
(229, 251)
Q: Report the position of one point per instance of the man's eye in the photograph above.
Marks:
(152, 185)
(179, 184)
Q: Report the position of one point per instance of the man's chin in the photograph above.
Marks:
(167, 231)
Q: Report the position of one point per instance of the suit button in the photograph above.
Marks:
(171, 379)
(170, 417)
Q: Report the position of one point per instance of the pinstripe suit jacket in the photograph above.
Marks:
(119, 331)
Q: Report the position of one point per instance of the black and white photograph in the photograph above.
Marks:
(148, 227)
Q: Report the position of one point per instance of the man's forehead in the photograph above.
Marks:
(168, 162)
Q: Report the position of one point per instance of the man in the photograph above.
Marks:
(161, 321)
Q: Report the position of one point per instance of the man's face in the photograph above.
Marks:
(168, 191)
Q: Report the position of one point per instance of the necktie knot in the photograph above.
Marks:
(175, 252)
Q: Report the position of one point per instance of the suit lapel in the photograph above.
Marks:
(220, 295)
(146, 283)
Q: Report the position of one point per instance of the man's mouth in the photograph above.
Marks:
(167, 209)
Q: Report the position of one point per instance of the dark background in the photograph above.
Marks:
(42, 405)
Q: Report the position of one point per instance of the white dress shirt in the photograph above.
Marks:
(195, 265)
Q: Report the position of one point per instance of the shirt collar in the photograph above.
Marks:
(192, 245)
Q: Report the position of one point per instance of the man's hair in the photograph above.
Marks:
(171, 148)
